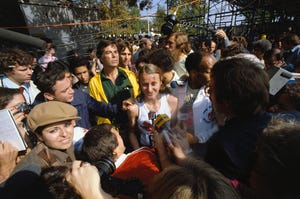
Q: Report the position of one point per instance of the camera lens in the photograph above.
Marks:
(25, 108)
(116, 186)
(105, 166)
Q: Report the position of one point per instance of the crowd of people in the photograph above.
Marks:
(167, 119)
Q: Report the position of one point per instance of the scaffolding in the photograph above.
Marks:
(249, 18)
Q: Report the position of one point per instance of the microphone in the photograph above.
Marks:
(177, 83)
(152, 116)
(162, 122)
(173, 84)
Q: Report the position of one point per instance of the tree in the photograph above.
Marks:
(122, 17)
(135, 25)
(188, 14)
(159, 20)
(110, 11)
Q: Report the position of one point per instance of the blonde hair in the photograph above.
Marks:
(182, 42)
(151, 69)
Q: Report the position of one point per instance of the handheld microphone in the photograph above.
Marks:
(162, 122)
(152, 116)
(177, 83)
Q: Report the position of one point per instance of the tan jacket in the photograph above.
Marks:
(42, 156)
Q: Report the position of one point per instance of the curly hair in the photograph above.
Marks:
(46, 80)
(11, 56)
(163, 59)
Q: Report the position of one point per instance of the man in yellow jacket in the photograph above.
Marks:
(113, 84)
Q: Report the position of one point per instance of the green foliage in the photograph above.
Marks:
(159, 20)
(135, 25)
(116, 10)
(192, 13)
(112, 13)
(111, 10)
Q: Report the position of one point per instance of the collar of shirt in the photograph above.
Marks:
(10, 84)
(295, 48)
(6, 82)
(120, 74)
(120, 160)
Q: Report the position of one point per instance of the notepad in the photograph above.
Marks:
(9, 131)
(279, 77)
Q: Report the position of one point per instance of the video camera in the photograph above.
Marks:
(116, 186)
(167, 28)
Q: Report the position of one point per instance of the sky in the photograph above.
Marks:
(155, 4)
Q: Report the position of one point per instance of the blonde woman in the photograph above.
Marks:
(151, 102)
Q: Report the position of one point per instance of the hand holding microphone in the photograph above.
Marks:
(162, 123)
(177, 143)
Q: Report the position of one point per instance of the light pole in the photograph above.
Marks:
(167, 7)
(148, 23)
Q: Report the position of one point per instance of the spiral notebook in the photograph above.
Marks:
(9, 131)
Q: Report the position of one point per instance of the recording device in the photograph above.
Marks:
(116, 186)
(24, 107)
(152, 116)
(162, 123)
(105, 166)
(177, 83)
(125, 93)
(171, 21)
(167, 28)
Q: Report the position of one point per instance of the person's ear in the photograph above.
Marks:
(49, 96)
(39, 137)
(115, 154)
(73, 123)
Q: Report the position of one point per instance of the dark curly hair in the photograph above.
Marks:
(163, 59)
(11, 57)
(46, 80)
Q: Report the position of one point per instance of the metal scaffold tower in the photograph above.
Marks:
(223, 14)
(249, 17)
